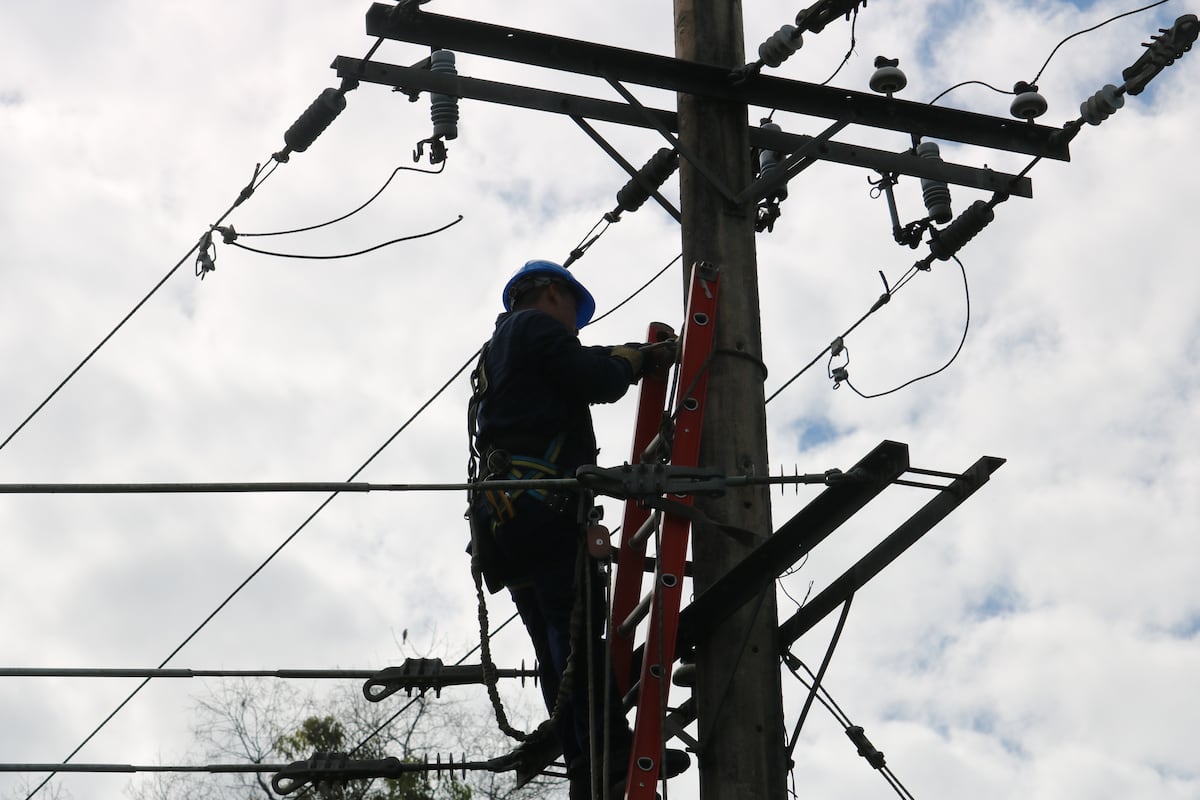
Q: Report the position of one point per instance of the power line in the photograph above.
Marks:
(292, 536)
(250, 188)
(349, 214)
(256, 571)
(232, 241)
(1053, 52)
(961, 342)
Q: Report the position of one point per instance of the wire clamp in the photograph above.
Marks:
(437, 150)
(336, 767)
(206, 262)
(645, 481)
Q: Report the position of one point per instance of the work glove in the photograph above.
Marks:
(658, 358)
(631, 354)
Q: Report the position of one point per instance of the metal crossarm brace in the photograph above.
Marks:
(794, 539)
(655, 682)
(663, 72)
(627, 587)
(810, 526)
(884, 553)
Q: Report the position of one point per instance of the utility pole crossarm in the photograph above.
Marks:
(706, 80)
(410, 79)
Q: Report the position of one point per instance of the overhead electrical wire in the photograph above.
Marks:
(1089, 30)
(639, 290)
(1053, 52)
(297, 138)
(961, 342)
(348, 214)
(855, 733)
(256, 181)
(257, 570)
(236, 243)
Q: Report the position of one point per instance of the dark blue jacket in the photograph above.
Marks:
(541, 382)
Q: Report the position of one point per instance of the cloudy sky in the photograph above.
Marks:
(1043, 642)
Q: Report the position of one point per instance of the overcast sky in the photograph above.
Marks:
(1042, 642)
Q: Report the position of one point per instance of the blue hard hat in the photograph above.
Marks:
(585, 304)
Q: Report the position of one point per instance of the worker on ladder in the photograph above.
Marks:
(531, 418)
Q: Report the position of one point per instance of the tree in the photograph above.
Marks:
(264, 722)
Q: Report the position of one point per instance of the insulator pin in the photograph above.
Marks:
(653, 173)
(935, 193)
(315, 119)
(775, 50)
(1102, 105)
(443, 108)
(969, 223)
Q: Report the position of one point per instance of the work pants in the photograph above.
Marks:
(545, 545)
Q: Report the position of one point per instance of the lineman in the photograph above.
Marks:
(531, 418)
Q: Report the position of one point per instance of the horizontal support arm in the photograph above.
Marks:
(663, 72)
(408, 79)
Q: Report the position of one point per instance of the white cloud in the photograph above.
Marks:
(1039, 641)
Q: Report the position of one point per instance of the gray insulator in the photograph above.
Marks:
(314, 120)
(935, 193)
(654, 172)
(1028, 105)
(969, 223)
(1102, 105)
(443, 108)
(768, 162)
(888, 78)
(780, 46)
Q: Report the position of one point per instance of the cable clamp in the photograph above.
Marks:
(645, 481)
(335, 767)
(865, 748)
(437, 150)
(228, 234)
(206, 262)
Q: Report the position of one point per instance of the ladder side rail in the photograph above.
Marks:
(627, 585)
(659, 653)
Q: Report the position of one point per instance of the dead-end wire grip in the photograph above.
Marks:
(645, 481)
(324, 767)
(423, 674)
(332, 767)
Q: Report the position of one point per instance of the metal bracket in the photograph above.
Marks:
(680, 148)
(625, 165)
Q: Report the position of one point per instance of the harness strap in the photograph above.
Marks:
(523, 467)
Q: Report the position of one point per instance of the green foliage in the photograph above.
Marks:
(328, 735)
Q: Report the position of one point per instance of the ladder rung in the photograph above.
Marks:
(660, 445)
(638, 614)
(651, 565)
(638, 540)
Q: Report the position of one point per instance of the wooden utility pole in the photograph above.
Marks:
(737, 692)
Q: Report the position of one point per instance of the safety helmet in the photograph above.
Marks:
(585, 304)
